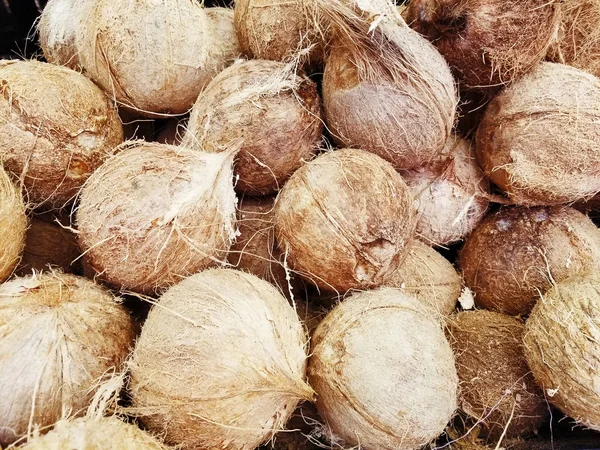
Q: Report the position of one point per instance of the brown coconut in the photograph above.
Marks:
(13, 225)
(345, 220)
(236, 397)
(562, 350)
(154, 214)
(517, 253)
(544, 149)
(383, 372)
(56, 128)
(274, 110)
(452, 194)
(488, 43)
(60, 335)
(496, 386)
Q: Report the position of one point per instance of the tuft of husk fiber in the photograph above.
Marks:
(220, 362)
(383, 372)
(56, 128)
(13, 225)
(60, 335)
(539, 139)
(154, 214)
(277, 113)
(344, 220)
(496, 386)
(562, 347)
(517, 253)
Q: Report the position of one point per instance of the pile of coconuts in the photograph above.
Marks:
(300, 225)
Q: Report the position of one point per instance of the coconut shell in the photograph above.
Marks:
(488, 43)
(60, 335)
(539, 140)
(13, 225)
(452, 194)
(562, 350)
(345, 220)
(516, 254)
(383, 372)
(56, 128)
(272, 109)
(497, 388)
(154, 214)
(236, 397)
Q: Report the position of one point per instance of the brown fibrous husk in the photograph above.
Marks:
(274, 109)
(60, 335)
(13, 225)
(539, 140)
(56, 128)
(497, 388)
(154, 214)
(344, 220)
(517, 253)
(236, 397)
(383, 372)
(561, 346)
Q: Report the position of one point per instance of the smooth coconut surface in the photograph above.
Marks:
(154, 214)
(487, 43)
(56, 128)
(383, 372)
(60, 335)
(539, 140)
(345, 220)
(517, 253)
(562, 350)
(452, 194)
(13, 225)
(226, 47)
(275, 111)
(496, 385)
(220, 362)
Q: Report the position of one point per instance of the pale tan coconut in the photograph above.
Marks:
(273, 109)
(452, 194)
(56, 128)
(226, 47)
(383, 372)
(344, 220)
(220, 362)
(562, 350)
(154, 214)
(13, 225)
(60, 335)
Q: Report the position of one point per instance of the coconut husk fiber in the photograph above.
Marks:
(13, 225)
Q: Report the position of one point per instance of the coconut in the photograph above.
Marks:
(386, 90)
(274, 110)
(226, 47)
(56, 128)
(544, 149)
(153, 56)
(59, 336)
(428, 276)
(344, 220)
(383, 372)
(13, 225)
(154, 214)
(497, 388)
(107, 433)
(452, 194)
(517, 253)
(236, 397)
(562, 350)
(488, 43)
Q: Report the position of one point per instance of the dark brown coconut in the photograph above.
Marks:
(345, 220)
(13, 225)
(488, 43)
(273, 109)
(496, 387)
(517, 253)
(56, 128)
(539, 139)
